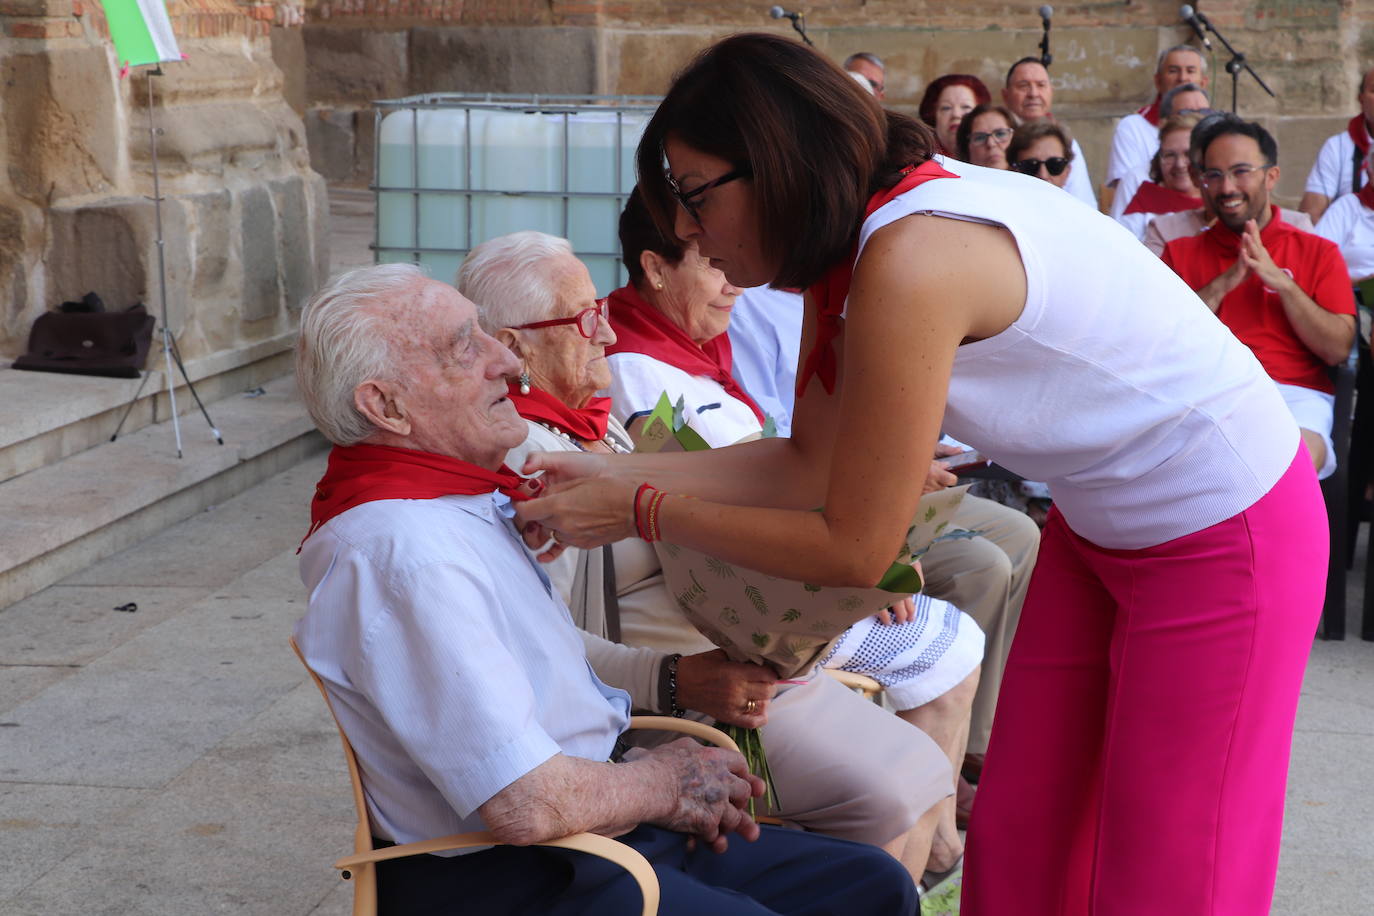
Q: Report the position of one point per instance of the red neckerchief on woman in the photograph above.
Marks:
(1151, 111)
(1366, 195)
(830, 291)
(641, 328)
(359, 474)
(586, 423)
(1155, 198)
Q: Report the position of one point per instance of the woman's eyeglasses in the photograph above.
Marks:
(586, 320)
(688, 199)
(1055, 165)
(1001, 135)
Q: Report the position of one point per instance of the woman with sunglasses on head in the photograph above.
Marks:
(983, 135)
(1042, 149)
(1146, 715)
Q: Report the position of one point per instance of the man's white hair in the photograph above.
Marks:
(511, 278)
(1191, 49)
(340, 346)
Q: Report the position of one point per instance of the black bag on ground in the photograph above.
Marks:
(114, 344)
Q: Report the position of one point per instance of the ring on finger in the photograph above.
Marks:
(751, 706)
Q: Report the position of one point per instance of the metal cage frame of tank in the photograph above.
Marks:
(547, 104)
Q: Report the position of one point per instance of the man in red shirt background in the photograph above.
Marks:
(1283, 292)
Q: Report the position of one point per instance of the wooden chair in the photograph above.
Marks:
(361, 866)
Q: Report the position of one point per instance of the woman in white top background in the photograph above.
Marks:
(1144, 725)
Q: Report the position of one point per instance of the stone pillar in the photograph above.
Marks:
(244, 216)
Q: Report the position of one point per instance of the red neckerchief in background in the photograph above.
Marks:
(1151, 111)
(586, 423)
(1155, 198)
(641, 328)
(359, 474)
(828, 294)
(1359, 133)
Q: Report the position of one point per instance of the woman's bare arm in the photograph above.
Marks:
(923, 286)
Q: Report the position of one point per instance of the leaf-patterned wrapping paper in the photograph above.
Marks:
(790, 625)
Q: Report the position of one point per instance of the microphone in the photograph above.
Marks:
(1046, 12)
(1195, 19)
(778, 12)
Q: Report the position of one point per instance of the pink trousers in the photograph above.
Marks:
(1140, 749)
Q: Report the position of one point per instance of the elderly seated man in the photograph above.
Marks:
(538, 299)
(457, 674)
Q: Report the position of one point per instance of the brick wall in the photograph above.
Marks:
(1310, 51)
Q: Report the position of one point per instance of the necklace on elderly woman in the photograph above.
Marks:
(610, 444)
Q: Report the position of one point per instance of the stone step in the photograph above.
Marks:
(65, 515)
(46, 416)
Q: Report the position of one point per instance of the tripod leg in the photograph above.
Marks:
(171, 386)
(128, 410)
(214, 431)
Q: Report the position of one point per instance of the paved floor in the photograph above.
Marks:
(175, 760)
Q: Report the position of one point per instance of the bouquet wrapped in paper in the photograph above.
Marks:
(784, 624)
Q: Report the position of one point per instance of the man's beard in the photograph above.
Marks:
(1235, 219)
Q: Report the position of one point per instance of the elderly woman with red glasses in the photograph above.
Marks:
(1042, 149)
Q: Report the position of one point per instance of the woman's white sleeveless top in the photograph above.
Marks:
(1116, 385)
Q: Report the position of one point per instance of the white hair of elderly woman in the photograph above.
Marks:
(510, 278)
(339, 346)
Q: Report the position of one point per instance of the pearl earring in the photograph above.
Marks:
(524, 381)
(658, 286)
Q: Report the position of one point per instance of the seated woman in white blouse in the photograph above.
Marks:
(1349, 222)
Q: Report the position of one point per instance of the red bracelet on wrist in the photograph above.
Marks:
(639, 515)
(655, 507)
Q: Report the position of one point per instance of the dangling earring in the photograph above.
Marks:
(524, 380)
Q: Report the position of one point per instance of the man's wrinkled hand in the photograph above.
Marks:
(712, 787)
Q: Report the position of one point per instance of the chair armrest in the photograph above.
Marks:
(591, 843)
(860, 682)
(687, 727)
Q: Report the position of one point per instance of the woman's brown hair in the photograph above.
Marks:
(816, 144)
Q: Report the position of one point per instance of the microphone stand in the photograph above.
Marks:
(799, 23)
(1236, 64)
(1045, 56)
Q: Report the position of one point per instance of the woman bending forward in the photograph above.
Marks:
(1144, 723)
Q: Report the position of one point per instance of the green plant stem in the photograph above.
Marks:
(751, 746)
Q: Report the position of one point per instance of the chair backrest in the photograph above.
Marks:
(365, 875)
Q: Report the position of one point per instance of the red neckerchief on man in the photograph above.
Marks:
(586, 423)
(1151, 111)
(1155, 198)
(358, 474)
(641, 328)
(828, 294)
(1359, 132)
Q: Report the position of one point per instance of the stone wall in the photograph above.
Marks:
(243, 214)
(1309, 51)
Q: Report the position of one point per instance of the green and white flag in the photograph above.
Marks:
(141, 31)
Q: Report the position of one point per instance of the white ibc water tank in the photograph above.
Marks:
(452, 175)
